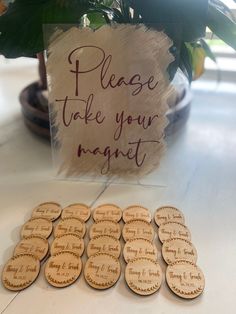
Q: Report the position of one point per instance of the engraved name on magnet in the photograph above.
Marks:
(76, 210)
(169, 230)
(70, 225)
(34, 245)
(63, 269)
(143, 276)
(68, 242)
(168, 213)
(48, 210)
(105, 227)
(136, 212)
(107, 212)
(102, 271)
(37, 226)
(178, 249)
(139, 248)
(185, 279)
(138, 229)
(104, 244)
(20, 272)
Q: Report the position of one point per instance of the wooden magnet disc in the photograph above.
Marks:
(102, 271)
(185, 279)
(34, 245)
(143, 276)
(107, 212)
(48, 210)
(20, 272)
(77, 210)
(139, 248)
(169, 230)
(136, 212)
(63, 269)
(138, 229)
(104, 244)
(68, 242)
(178, 249)
(70, 225)
(37, 227)
(168, 213)
(105, 227)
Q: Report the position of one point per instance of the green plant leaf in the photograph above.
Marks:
(223, 8)
(185, 62)
(221, 25)
(197, 58)
(124, 6)
(21, 27)
(96, 19)
(182, 20)
(208, 51)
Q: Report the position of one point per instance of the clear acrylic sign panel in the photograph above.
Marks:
(109, 99)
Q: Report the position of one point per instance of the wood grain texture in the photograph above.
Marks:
(137, 229)
(63, 269)
(107, 212)
(143, 276)
(136, 212)
(70, 225)
(168, 213)
(178, 249)
(139, 247)
(185, 279)
(105, 227)
(37, 226)
(104, 244)
(48, 210)
(68, 242)
(169, 230)
(102, 271)
(34, 245)
(77, 210)
(20, 272)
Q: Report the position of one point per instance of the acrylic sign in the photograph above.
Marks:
(108, 99)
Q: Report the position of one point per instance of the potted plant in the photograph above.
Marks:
(185, 22)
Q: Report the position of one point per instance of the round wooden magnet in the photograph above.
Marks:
(102, 271)
(37, 227)
(68, 242)
(139, 248)
(168, 213)
(20, 272)
(48, 210)
(63, 269)
(178, 249)
(77, 210)
(169, 230)
(105, 227)
(143, 276)
(107, 212)
(185, 279)
(70, 225)
(104, 244)
(34, 245)
(138, 229)
(136, 212)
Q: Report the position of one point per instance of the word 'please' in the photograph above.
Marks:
(107, 78)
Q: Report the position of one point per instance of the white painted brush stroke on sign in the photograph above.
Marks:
(108, 91)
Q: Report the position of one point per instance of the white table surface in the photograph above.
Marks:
(201, 181)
